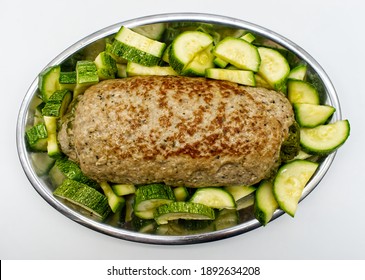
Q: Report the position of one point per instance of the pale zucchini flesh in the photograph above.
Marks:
(274, 67)
(243, 77)
(290, 181)
(183, 210)
(265, 202)
(311, 115)
(302, 92)
(324, 139)
(214, 198)
(239, 53)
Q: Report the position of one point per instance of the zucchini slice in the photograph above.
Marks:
(274, 67)
(265, 202)
(302, 92)
(36, 137)
(149, 197)
(214, 198)
(48, 81)
(311, 115)
(57, 103)
(183, 210)
(324, 139)
(239, 192)
(123, 189)
(290, 181)
(115, 202)
(239, 53)
(243, 77)
(181, 193)
(185, 47)
(84, 196)
(131, 46)
(200, 63)
(135, 69)
(298, 73)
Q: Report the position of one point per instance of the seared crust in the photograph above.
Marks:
(179, 130)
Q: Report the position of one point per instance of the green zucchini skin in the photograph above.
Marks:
(84, 196)
(36, 137)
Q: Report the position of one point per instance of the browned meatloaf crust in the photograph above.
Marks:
(178, 130)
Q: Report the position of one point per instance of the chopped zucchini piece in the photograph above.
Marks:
(57, 103)
(116, 202)
(265, 202)
(53, 148)
(67, 80)
(239, 53)
(274, 68)
(37, 137)
(185, 47)
(42, 163)
(67, 169)
(148, 197)
(38, 117)
(183, 210)
(243, 77)
(86, 75)
(137, 48)
(226, 218)
(298, 73)
(84, 196)
(152, 31)
(239, 192)
(123, 189)
(106, 66)
(48, 81)
(134, 69)
(202, 61)
(311, 115)
(290, 181)
(324, 139)
(302, 92)
(249, 37)
(121, 70)
(181, 193)
(214, 198)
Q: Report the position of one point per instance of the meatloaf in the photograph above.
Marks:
(183, 131)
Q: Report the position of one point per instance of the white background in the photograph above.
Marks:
(330, 222)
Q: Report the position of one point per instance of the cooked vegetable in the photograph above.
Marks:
(67, 80)
(298, 73)
(106, 66)
(302, 92)
(265, 202)
(324, 139)
(67, 169)
(214, 198)
(115, 202)
(149, 197)
(291, 146)
(86, 75)
(84, 196)
(123, 189)
(134, 69)
(183, 210)
(186, 47)
(274, 68)
(290, 181)
(37, 137)
(53, 148)
(48, 81)
(181, 193)
(57, 103)
(311, 115)
(239, 53)
(242, 77)
(137, 48)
